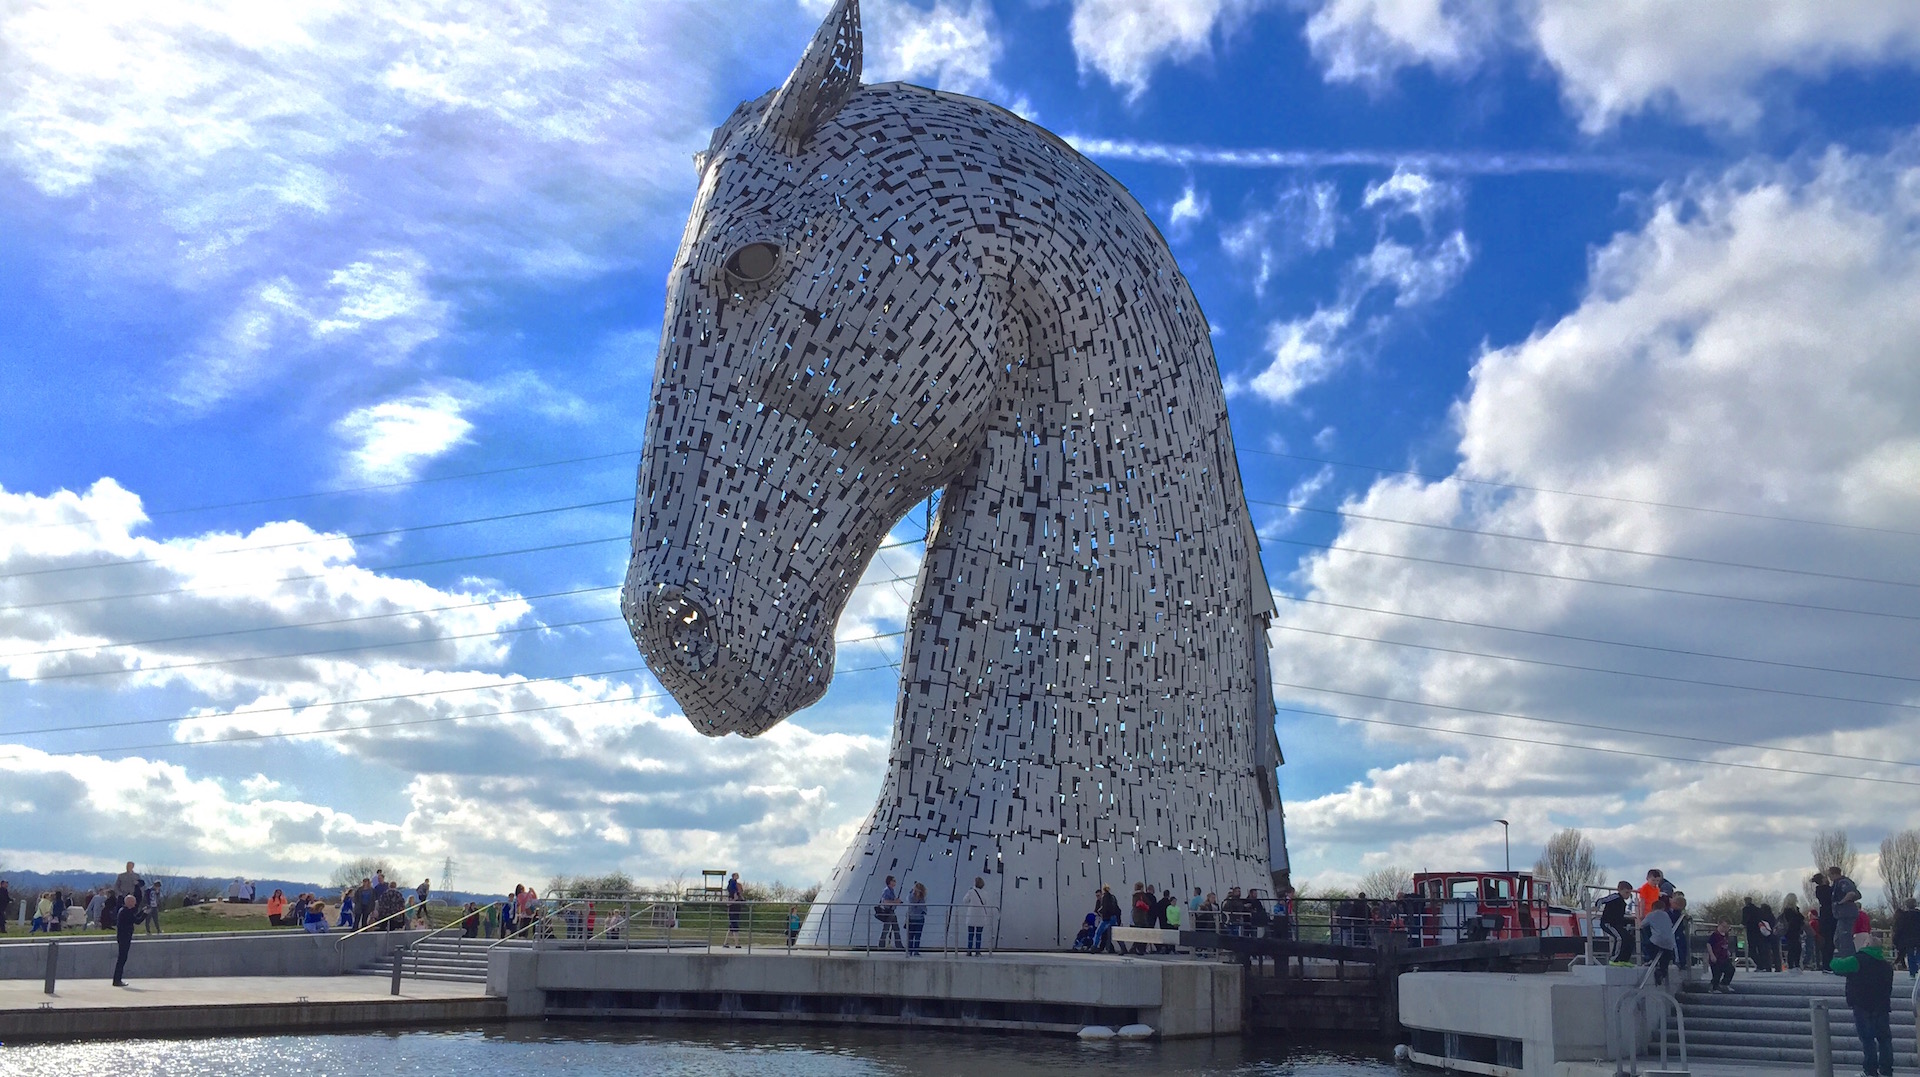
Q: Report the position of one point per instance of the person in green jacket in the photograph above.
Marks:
(1870, 995)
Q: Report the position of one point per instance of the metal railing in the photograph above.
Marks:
(1639, 996)
(413, 946)
(616, 922)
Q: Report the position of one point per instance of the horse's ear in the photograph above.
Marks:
(828, 74)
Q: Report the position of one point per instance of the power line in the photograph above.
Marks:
(1599, 582)
(368, 568)
(1568, 543)
(493, 633)
(1598, 669)
(293, 707)
(1591, 725)
(317, 539)
(288, 734)
(95, 648)
(387, 485)
(1662, 756)
(1595, 639)
(1430, 477)
(316, 652)
(321, 575)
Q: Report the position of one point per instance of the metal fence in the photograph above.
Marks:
(629, 922)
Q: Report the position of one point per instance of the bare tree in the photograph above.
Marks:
(1900, 866)
(1832, 848)
(1388, 882)
(360, 867)
(1569, 864)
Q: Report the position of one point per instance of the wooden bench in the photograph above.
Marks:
(1151, 936)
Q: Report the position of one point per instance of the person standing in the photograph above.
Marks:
(1870, 996)
(1769, 939)
(916, 917)
(129, 918)
(1615, 922)
(974, 906)
(887, 912)
(6, 905)
(127, 882)
(1823, 899)
(1108, 907)
(97, 909)
(1682, 930)
(151, 904)
(1793, 931)
(1648, 893)
(736, 905)
(1720, 960)
(1657, 928)
(1750, 930)
(1906, 935)
(1170, 918)
(1848, 920)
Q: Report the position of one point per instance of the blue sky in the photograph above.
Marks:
(275, 279)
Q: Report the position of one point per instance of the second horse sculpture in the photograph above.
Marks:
(885, 291)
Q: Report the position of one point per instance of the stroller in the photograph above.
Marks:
(1083, 942)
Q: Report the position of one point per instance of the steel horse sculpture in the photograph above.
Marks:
(884, 291)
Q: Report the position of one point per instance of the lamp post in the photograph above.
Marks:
(1506, 838)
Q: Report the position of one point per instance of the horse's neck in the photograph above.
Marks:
(1096, 549)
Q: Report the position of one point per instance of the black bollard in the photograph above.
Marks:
(53, 963)
(399, 955)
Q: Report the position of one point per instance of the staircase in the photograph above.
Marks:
(448, 957)
(1768, 1019)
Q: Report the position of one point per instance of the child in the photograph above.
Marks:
(793, 926)
(1870, 995)
(1720, 960)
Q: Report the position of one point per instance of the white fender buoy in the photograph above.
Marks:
(1136, 1032)
(1402, 1053)
(1096, 1032)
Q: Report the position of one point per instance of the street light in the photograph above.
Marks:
(1506, 838)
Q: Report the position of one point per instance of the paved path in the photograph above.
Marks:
(224, 991)
(95, 1008)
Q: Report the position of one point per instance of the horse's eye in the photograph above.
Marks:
(753, 263)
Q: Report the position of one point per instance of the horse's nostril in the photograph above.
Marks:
(682, 631)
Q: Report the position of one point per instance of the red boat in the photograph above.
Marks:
(1471, 906)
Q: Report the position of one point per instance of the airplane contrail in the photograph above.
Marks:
(1487, 163)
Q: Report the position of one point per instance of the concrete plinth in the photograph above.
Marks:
(1521, 1025)
(1177, 996)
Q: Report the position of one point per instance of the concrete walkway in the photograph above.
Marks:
(95, 1008)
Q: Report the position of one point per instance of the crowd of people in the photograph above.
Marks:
(87, 908)
(1251, 914)
(1651, 925)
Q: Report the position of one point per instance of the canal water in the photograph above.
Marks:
(572, 1049)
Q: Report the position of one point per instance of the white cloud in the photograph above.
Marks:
(1367, 40)
(1302, 218)
(592, 771)
(1709, 61)
(313, 176)
(1307, 350)
(1413, 193)
(392, 439)
(949, 45)
(1125, 40)
(1748, 348)
(1416, 277)
(1191, 207)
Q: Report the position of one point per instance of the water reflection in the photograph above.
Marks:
(589, 1049)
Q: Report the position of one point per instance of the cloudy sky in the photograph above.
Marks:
(1572, 349)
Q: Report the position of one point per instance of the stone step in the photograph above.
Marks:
(1802, 1027)
(1845, 1053)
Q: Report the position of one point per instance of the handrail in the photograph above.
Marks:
(390, 916)
(536, 922)
(1639, 995)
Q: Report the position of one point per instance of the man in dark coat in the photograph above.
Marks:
(127, 919)
(6, 905)
(1750, 930)
(1906, 933)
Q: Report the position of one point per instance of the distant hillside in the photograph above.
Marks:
(175, 888)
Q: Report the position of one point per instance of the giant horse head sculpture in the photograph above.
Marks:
(888, 290)
(828, 359)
